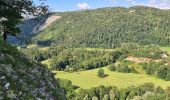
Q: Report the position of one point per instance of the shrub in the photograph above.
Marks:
(112, 67)
(68, 88)
(161, 72)
(124, 69)
(167, 92)
(133, 70)
(168, 77)
(159, 90)
(100, 73)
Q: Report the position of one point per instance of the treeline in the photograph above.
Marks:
(108, 27)
(77, 59)
(146, 51)
(158, 69)
(123, 67)
(36, 54)
(81, 59)
(73, 59)
(127, 49)
(143, 92)
(157, 64)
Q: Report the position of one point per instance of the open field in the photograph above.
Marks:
(43, 48)
(166, 49)
(88, 79)
(96, 49)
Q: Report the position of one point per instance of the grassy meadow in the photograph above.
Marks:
(43, 48)
(166, 49)
(88, 79)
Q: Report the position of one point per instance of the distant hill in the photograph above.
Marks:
(104, 27)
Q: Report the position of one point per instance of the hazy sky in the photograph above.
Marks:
(71, 5)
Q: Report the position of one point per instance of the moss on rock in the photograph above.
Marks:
(21, 78)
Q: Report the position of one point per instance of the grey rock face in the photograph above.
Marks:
(28, 80)
(31, 27)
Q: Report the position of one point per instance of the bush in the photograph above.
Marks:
(167, 92)
(100, 73)
(112, 67)
(124, 69)
(68, 88)
(161, 72)
(159, 90)
(133, 70)
(168, 77)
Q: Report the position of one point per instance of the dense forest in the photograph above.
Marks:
(106, 27)
(73, 59)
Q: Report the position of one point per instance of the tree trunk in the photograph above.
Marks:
(5, 35)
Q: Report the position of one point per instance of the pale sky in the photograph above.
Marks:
(72, 5)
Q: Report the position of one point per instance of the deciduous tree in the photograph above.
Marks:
(12, 13)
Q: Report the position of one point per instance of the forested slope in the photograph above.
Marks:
(108, 27)
(21, 78)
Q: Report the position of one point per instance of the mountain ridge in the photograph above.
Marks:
(107, 27)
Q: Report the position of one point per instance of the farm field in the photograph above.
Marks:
(88, 79)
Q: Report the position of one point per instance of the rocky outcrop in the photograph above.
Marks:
(23, 79)
(33, 26)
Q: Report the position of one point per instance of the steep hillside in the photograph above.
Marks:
(107, 27)
(32, 26)
(21, 78)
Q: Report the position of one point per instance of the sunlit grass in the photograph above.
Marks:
(166, 49)
(43, 48)
(46, 62)
(96, 49)
(88, 79)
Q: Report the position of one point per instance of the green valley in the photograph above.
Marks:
(89, 79)
(110, 53)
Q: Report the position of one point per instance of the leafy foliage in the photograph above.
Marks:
(143, 92)
(22, 78)
(81, 59)
(112, 67)
(77, 59)
(101, 73)
(149, 51)
(36, 54)
(158, 69)
(146, 51)
(12, 13)
(123, 67)
(69, 89)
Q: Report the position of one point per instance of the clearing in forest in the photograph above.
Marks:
(88, 79)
